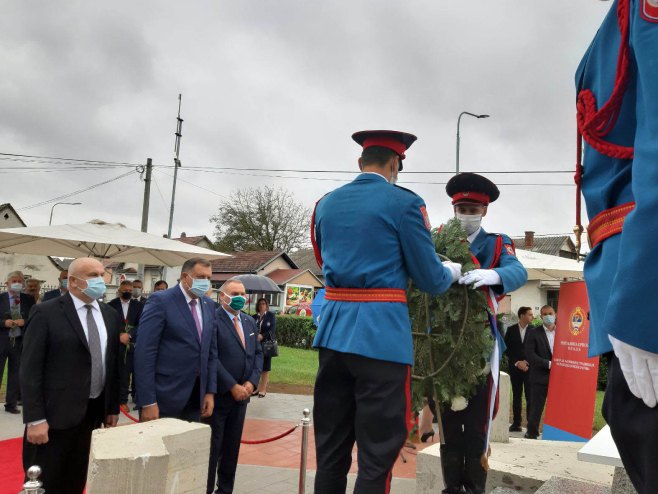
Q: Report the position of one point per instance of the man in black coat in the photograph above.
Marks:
(14, 310)
(69, 378)
(238, 372)
(61, 290)
(518, 365)
(130, 311)
(539, 352)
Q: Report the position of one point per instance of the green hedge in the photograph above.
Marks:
(295, 331)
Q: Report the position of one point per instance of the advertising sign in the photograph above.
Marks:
(572, 386)
(298, 294)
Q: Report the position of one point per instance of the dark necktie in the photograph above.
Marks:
(94, 341)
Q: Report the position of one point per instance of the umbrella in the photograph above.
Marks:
(545, 267)
(254, 283)
(110, 241)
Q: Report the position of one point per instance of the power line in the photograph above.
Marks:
(70, 159)
(70, 194)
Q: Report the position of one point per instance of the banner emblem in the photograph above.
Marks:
(576, 321)
(426, 218)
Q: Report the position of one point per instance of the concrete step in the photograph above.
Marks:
(559, 485)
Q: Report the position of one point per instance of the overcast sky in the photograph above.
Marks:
(284, 84)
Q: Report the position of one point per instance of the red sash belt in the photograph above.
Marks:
(366, 294)
(607, 223)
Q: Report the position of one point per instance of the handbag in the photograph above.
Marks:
(270, 348)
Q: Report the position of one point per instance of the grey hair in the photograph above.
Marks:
(229, 281)
(16, 273)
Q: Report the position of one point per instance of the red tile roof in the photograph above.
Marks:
(192, 240)
(282, 276)
(247, 262)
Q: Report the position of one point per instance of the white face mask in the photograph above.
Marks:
(470, 222)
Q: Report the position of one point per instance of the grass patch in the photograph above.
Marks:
(294, 366)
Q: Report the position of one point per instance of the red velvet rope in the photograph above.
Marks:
(271, 439)
(244, 441)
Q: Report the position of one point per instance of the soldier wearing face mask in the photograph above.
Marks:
(500, 272)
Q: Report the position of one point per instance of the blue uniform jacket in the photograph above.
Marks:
(512, 273)
(374, 235)
(621, 272)
(169, 356)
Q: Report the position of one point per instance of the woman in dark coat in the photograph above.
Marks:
(266, 322)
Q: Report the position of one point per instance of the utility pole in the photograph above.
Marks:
(145, 208)
(179, 134)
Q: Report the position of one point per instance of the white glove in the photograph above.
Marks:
(480, 277)
(455, 269)
(640, 368)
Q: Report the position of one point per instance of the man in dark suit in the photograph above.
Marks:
(69, 378)
(138, 290)
(239, 369)
(518, 365)
(539, 352)
(63, 287)
(176, 355)
(14, 310)
(130, 311)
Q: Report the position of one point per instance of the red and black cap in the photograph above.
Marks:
(471, 187)
(398, 142)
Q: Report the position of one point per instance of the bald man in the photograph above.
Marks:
(70, 378)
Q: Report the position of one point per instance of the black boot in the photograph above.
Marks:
(475, 476)
(452, 466)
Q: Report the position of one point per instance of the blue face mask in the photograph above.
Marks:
(549, 320)
(95, 288)
(237, 302)
(200, 287)
(16, 287)
(64, 284)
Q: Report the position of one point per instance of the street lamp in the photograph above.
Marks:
(51, 209)
(458, 122)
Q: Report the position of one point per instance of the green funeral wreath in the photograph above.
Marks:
(451, 338)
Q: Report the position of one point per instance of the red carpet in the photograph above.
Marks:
(11, 473)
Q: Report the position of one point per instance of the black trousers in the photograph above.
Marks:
(10, 350)
(364, 400)
(64, 458)
(538, 394)
(465, 436)
(126, 367)
(226, 423)
(192, 410)
(634, 428)
(520, 386)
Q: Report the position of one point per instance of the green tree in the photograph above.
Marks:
(264, 218)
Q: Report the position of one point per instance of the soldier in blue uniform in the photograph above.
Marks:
(370, 237)
(465, 432)
(617, 104)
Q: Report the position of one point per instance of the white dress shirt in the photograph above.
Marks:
(231, 316)
(472, 236)
(522, 332)
(125, 305)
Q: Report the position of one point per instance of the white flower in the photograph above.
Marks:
(458, 403)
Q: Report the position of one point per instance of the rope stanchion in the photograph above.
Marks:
(271, 439)
(128, 415)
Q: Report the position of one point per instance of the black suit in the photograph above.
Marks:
(519, 379)
(539, 354)
(56, 293)
(135, 308)
(56, 382)
(10, 348)
(237, 365)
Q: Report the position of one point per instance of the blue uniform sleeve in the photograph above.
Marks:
(422, 262)
(512, 273)
(635, 282)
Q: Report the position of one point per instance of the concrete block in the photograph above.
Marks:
(621, 483)
(165, 455)
(558, 485)
(500, 425)
(522, 465)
